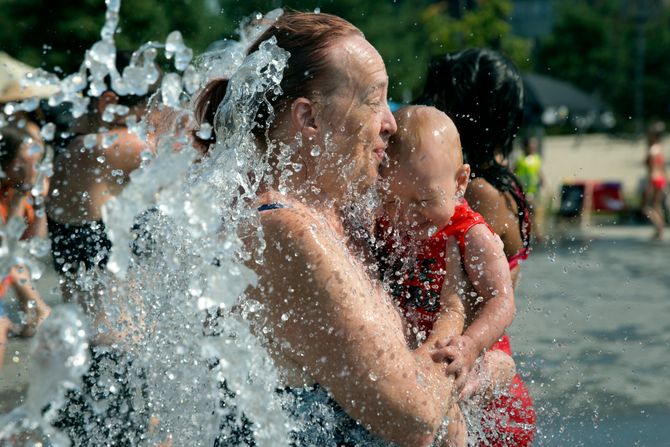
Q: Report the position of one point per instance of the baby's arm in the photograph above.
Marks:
(488, 272)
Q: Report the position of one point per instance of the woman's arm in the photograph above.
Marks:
(346, 333)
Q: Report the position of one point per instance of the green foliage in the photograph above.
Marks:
(406, 33)
(394, 28)
(593, 45)
(56, 33)
(485, 26)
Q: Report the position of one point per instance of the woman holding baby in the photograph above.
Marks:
(336, 332)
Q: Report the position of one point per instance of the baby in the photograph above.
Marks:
(426, 181)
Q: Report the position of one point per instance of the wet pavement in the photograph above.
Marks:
(592, 336)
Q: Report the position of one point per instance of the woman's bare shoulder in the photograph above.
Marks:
(279, 212)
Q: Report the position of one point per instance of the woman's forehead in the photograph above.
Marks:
(356, 57)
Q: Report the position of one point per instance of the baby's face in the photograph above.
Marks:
(423, 185)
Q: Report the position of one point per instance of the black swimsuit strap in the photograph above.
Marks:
(271, 206)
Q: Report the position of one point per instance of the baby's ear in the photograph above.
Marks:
(462, 179)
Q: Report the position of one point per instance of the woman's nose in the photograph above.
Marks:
(389, 126)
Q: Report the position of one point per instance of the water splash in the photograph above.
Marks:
(60, 352)
(189, 217)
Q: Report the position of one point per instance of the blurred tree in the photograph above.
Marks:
(406, 32)
(595, 45)
(56, 33)
(486, 25)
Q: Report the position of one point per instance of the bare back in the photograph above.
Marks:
(501, 213)
(101, 173)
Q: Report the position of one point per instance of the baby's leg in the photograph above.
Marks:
(494, 371)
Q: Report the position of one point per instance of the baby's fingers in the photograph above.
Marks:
(446, 353)
(441, 343)
(455, 366)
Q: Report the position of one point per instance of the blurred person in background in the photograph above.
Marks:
(528, 170)
(93, 166)
(20, 153)
(657, 179)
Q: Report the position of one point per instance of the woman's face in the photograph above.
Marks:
(356, 122)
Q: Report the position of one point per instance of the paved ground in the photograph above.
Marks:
(593, 339)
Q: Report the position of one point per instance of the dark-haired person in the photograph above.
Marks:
(94, 166)
(335, 332)
(19, 155)
(482, 92)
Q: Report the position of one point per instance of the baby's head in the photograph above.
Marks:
(426, 174)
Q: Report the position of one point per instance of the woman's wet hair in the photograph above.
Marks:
(308, 38)
(11, 140)
(482, 92)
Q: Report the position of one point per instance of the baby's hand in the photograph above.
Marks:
(461, 352)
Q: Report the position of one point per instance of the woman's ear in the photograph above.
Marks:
(303, 117)
(107, 98)
(462, 179)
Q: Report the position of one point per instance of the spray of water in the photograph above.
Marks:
(185, 262)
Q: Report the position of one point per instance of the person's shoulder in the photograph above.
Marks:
(481, 194)
(284, 213)
(292, 223)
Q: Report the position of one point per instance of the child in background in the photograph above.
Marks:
(529, 169)
(529, 172)
(19, 154)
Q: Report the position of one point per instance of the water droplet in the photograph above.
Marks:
(90, 141)
(48, 131)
